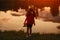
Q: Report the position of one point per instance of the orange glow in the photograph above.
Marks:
(44, 2)
(47, 8)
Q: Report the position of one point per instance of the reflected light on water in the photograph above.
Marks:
(16, 23)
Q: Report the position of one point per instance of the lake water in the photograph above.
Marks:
(9, 22)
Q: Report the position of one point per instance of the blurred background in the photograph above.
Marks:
(12, 15)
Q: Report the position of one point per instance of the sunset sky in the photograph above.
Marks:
(15, 4)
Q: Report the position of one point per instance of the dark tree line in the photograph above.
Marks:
(15, 4)
(12, 4)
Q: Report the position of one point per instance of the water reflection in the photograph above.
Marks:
(43, 25)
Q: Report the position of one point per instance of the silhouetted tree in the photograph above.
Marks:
(15, 4)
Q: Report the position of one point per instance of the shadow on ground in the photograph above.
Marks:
(20, 35)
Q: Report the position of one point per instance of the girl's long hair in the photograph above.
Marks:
(32, 10)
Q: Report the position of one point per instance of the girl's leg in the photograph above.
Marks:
(30, 30)
(27, 31)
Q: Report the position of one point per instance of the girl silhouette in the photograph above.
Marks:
(30, 20)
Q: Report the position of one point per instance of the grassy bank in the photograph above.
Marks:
(20, 35)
